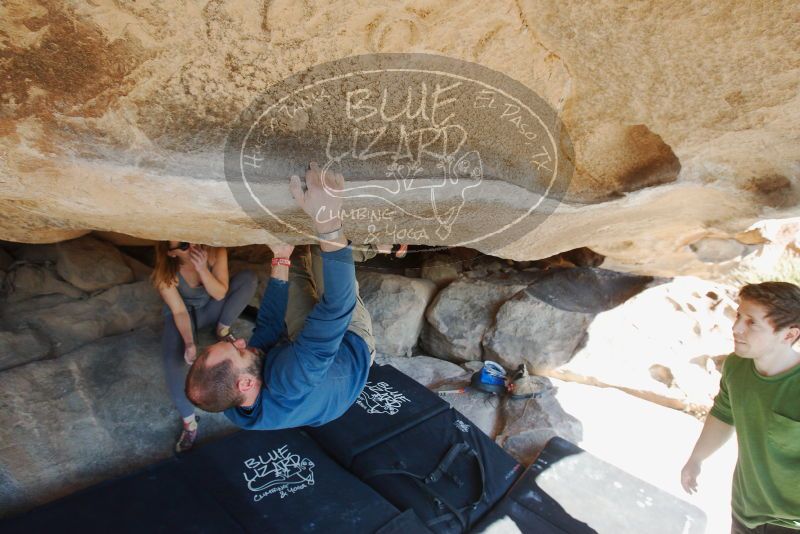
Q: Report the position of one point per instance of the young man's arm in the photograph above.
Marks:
(270, 322)
(714, 435)
(716, 431)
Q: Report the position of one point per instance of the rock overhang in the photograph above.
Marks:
(681, 132)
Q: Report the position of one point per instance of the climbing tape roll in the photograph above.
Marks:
(493, 373)
(490, 379)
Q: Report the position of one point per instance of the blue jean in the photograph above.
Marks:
(241, 289)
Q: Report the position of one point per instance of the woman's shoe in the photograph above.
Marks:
(226, 335)
(187, 438)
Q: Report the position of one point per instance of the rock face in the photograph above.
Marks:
(426, 370)
(126, 122)
(587, 290)
(117, 310)
(5, 260)
(461, 313)
(36, 253)
(397, 305)
(91, 264)
(141, 272)
(441, 269)
(11, 311)
(17, 348)
(666, 344)
(544, 325)
(92, 414)
(529, 425)
(527, 330)
(30, 280)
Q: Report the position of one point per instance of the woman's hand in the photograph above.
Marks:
(281, 250)
(199, 258)
(190, 354)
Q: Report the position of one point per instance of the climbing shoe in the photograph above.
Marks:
(225, 334)
(188, 435)
(524, 386)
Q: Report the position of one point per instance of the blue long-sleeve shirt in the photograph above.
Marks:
(319, 375)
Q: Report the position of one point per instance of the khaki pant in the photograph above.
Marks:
(305, 286)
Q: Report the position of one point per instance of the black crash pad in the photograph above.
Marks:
(390, 404)
(252, 481)
(282, 481)
(408, 470)
(567, 490)
(156, 499)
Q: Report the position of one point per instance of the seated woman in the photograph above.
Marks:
(193, 281)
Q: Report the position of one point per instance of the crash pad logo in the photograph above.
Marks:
(381, 398)
(420, 138)
(281, 473)
(462, 426)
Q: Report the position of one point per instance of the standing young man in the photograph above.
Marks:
(314, 372)
(759, 397)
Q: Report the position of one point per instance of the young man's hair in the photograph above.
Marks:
(781, 299)
(213, 389)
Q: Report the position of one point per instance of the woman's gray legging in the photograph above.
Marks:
(241, 288)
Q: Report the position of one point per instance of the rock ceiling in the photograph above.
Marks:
(683, 116)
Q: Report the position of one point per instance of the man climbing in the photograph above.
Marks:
(759, 397)
(314, 372)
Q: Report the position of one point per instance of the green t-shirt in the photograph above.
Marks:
(765, 411)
